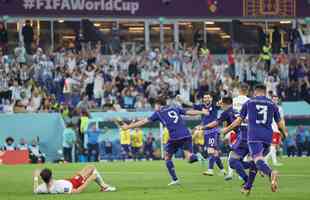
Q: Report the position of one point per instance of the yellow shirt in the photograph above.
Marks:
(125, 136)
(165, 136)
(137, 138)
(84, 123)
(198, 137)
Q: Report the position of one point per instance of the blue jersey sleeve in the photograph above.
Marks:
(222, 118)
(244, 111)
(181, 111)
(154, 117)
(197, 107)
(277, 115)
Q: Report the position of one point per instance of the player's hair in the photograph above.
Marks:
(261, 87)
(161, 101)
(208, 93)
(9, 139)
(244, 88)
(227, 100)
(46, 175)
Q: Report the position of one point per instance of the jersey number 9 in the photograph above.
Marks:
(174, 116)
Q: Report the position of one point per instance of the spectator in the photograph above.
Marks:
(266, 57)
(125, 141)
(142, 104)
(307, 142)
(133, 68)
(128, 98)
(28, 36)
(69, 139)
(185, 93)
(149, 147)
(9, 144)
(22, 144)
(20, 54)
(19, 107)
(300, 139)
(93, 142)
(5, 92)
(36, 100)
(84, 104)
(109, 150)
(98, 88)
(84, 119)
(136, 143)
(291, 146)
(3, 38)
(35, 155)
(89, 80)
(276, 41)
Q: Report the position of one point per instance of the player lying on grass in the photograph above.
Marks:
(179, 135)
(77, 184)
(260, 112)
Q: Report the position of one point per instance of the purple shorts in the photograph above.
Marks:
(241, 148)
(258, 149)
(212, 138)
(184, 144)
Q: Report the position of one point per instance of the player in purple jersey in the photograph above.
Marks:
(180, 137)
(240, 148)
(212, 136)
(260, 112)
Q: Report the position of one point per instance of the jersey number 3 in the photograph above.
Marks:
(174, 116)
(261, 114)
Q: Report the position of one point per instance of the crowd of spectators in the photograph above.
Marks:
(47, 82)
(298, 144)
(32, 80)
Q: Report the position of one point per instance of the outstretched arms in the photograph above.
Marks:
(197, 112)
(135, 124)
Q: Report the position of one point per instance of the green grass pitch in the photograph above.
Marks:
(148, 181)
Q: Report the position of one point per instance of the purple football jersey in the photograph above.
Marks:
(228, 116)
(171, 118)
(260, 112)
(206, 119)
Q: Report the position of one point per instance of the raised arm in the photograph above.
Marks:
(211, 125)
(135, 124)
(118, 122)
(197, 112)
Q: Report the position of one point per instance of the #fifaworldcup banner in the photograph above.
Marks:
(80, 5)
(126, 8)
(156, 8)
